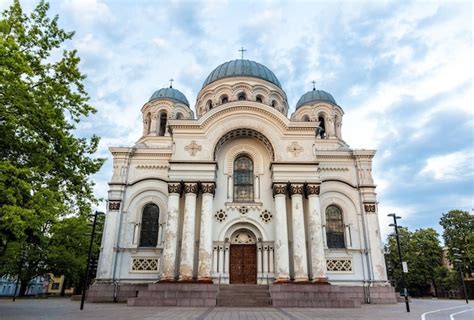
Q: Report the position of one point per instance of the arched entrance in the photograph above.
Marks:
(243, 257)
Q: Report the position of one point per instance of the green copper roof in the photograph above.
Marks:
(242, 67)
(170, 93)
(314, 96)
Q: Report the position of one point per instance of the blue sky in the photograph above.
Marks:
(402, 72)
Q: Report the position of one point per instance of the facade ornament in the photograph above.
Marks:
(279, 189)
(312, 189)
(220, 215)
(294, 148)
(370, 207)
(296, 189)
(114, 205)
(208, 187)
(174, 187)
(191, 187)
(193, 148)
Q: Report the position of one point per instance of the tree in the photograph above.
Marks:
(458, 232)
(44, 167)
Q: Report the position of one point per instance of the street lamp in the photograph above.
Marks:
(459, 261)
(394, 224)
(86, 278)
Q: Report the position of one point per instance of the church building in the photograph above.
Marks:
(237, 191)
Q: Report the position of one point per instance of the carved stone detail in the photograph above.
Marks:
(279, 189)
(312, 189)
(296, 189)
(370, 207)
(174, 187)
(114, 205)
(208, 187)
(193, 148)
(191, 187)
(294, 148)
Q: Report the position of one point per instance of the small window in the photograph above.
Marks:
(334, 227)
(209, 105)
(148, 123)
(242, 96)
(163, 120)
(259, 99)
(274, 104)
(224, 99)
(322, 132)
(179, 116)
(243, 179)
(305, 118)
(149, 227)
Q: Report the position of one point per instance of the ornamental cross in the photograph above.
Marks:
(192, 148)
(171, 82)
(242, 50)
(294, 148)
(314, 85)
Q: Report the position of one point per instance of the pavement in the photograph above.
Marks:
(63, 308)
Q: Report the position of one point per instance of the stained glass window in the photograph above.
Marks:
(334, 227)
(243, 179)
(149, 227)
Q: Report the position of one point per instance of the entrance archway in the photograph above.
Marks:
(243, 257)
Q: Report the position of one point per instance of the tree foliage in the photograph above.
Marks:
(44, 167)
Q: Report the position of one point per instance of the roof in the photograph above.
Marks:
(169, 93)
(314, 96)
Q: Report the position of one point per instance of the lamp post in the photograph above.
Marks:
(394, 224)
(459, 261)
(86, 278)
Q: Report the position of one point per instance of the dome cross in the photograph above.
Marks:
(314, 85)
(242, 50)
(171, 82)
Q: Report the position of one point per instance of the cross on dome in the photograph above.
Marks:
(314, 85)
(171, 82)
(242, 50)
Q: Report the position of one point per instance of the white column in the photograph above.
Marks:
(226, 258)
(171, 233)
(257, 188)
(205, 241)
(136, 231)
(221, 259)
(373, 235)
(107, 253)
(229, 188)
(259, 259)
(325, 240)
(265, 259)
(282, 258)
(299, 242)
(347, 231)
(214, 259)
(187, 244)
(318, 260)
(160, 235)
(271, 262)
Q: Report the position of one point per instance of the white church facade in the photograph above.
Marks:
(240, 193)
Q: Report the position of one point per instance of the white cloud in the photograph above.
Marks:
(405, 212)
(450, 167)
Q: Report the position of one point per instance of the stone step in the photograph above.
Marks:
(177, 294)
(244, 295)
(249, 302)
(157, 302)
(317, 303)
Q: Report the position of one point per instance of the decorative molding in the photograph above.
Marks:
(370, 207)
(339, 265)
(294, 148)
(193, 148)
(266, 216)
(152, 166)
(174, 188)
(114, 205)
(280, 189)
(243, 210)
(191, 187)
(313, 189)
(208, 187)
(145, 264)
(248, 205)
(333, 169)
(220, 215)
(296, 189)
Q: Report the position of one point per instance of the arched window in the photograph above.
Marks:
(334, 227)
(224, 99)
(209, 105)
(242, 96)
(179, 116)
(150, 224)
(322, 132)
(148, 123)
(274, 103)
(259, 99)
(243, 179)
(163, 119)
(305, 118)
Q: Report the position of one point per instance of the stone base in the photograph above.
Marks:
(101, 292)
(176, 294)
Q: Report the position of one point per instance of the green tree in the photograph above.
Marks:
(44, 167)
(458, 232)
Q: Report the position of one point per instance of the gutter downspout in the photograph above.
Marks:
(117, 243)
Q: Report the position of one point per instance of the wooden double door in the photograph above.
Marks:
(243, 263)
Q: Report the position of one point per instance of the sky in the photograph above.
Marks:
(402, 72)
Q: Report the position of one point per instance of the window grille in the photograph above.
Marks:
(243, 179)
(149, 226)
(334, 227)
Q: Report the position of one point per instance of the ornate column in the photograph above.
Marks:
(221, 259)
(299, 241)
(171, 233)
(257, 188)
(187, 244)
(229, 188)
(265, 259)
(205, 241)
(259, 259)
(318, 260)
(270, 263)
(214, 259)
(282, 259)
(226, 258)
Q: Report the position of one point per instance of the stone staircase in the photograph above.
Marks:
(244, 295)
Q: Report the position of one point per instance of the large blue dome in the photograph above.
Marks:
(170, 93)
(315, 96)
(242, 67)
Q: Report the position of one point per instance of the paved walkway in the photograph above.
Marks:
(61, 308)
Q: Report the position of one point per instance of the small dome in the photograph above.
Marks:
(169, 93)
(314, 96)
(242, 67)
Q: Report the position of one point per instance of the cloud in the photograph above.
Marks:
(450, 167)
